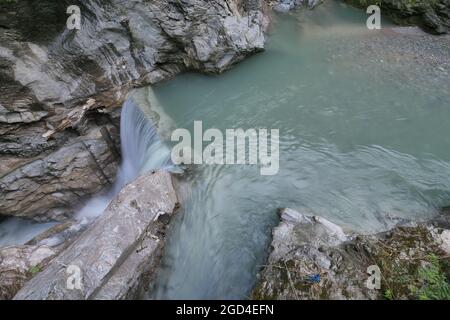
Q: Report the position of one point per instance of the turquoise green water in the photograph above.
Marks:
(364, 141)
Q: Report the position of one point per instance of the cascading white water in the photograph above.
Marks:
(142, 150)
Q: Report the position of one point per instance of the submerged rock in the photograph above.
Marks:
(433, 16)
(58, 134)
(117, 255)
(312, 258)
(61, 235)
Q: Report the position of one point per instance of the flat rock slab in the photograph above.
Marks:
(119, 251)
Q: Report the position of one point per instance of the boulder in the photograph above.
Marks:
(59, 87)
(284, 6)
(61, 235)
(46, 188)
(18, 264)
(432, 16)
(312, 258)
(117, 255)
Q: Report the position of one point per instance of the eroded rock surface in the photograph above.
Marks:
(287, 5)
(61, 235)
(58, 134)
(312, 258)
(119, 252)
(18, 264)
(432, 15)
(47, 186)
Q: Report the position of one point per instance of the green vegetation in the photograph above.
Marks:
(34, 270)
(413, 275)
(435, 285)
(388, 294)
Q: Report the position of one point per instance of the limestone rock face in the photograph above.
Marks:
(18, 264)
(307, 247)
(433, 16)
(46, 187)
(58, 132)
(312, 258)
(118, 253)
(287, 5)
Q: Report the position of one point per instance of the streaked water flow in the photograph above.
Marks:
(363, 143)
(142, 150)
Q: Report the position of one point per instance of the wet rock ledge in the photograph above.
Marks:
(115, 258)
(60, 88)
(284, 6)
(313, 258)
(431, 15)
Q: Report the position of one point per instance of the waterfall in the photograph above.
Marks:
(143, 127)
(142, 151)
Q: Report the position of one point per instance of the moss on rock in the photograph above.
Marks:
(413, 261)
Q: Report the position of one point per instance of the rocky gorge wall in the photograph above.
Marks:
(59, 125)
(59, 97)
(59, 135)
(116, 255)
(431, 15)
